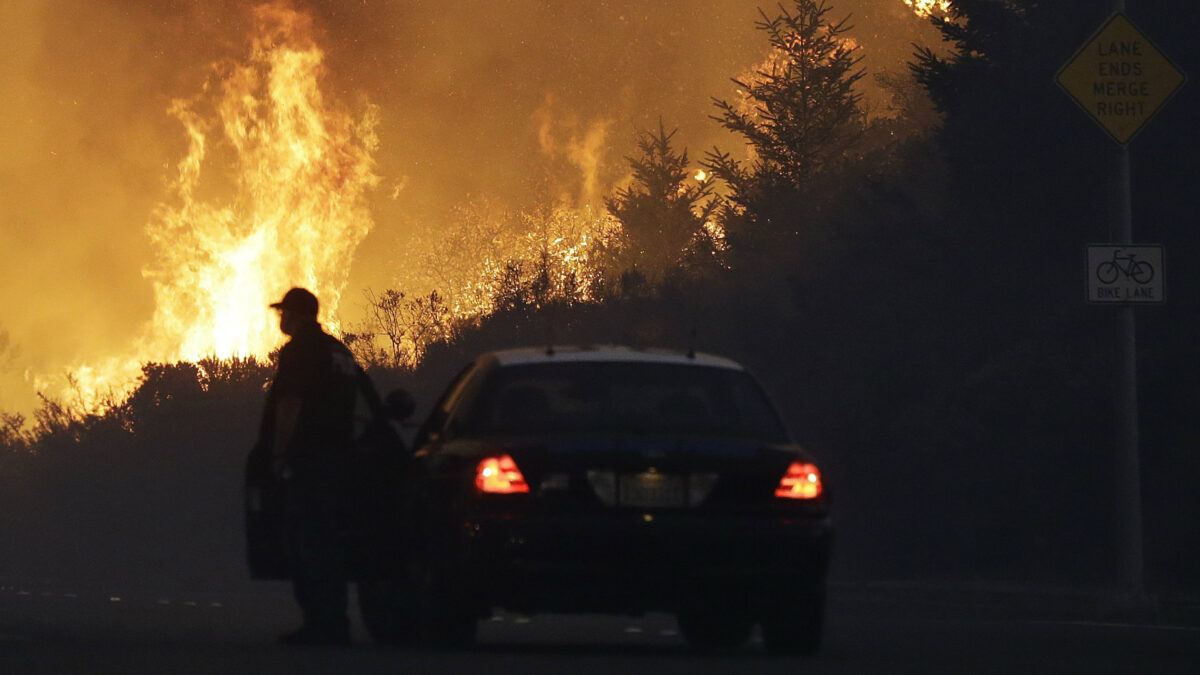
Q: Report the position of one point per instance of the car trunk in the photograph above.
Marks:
(650, 473)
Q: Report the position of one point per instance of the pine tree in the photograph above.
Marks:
(663, 211)
(800, 117)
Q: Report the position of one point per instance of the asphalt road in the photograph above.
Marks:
(53, 629)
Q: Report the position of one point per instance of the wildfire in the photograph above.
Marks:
(926, 8)
(485, 250)
(292, 212)
(716, 232)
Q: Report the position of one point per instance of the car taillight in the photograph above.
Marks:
(499, 475)
(802, 481)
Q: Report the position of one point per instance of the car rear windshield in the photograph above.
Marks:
(623, 398)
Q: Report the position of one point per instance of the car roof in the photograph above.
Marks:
(607, 354)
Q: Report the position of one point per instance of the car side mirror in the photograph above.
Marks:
(399, 405)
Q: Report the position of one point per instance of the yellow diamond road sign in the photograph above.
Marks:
(1119, 78)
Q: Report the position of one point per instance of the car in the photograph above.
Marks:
(607, 480)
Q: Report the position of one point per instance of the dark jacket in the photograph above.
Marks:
(319, 370)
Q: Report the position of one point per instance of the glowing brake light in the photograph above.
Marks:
(499, 475)
(802, 481)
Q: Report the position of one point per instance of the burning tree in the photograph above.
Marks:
(799, 115)
(485, 255)
(486, 261)
(663, 211)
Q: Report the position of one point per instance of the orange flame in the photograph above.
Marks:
(469, 258)
(926, 8)
(292, 213)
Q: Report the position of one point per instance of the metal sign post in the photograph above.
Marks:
(1131, 565)
(1121, 80)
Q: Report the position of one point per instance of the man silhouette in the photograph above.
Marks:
(308, 423)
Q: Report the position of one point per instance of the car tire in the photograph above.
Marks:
(713, 627)
(794, 626)
(389, 611)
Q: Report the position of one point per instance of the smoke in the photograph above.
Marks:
(522, 102)
(581, 144)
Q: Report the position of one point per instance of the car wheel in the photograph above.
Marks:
(709, 627)
(794, 626)
(389, 611)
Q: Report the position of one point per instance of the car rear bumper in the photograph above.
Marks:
(641, 562)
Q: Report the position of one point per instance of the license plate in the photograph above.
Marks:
(651, 490)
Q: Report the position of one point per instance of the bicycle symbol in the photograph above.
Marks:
(1140, 271)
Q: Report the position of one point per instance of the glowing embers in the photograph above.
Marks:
(802, 481)
(499, 475)
(924, 8)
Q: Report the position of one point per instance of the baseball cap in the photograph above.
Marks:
(298, 300)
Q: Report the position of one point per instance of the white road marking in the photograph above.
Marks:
(634, 629)
(117, 598)
(668, 633)
(1112, 624)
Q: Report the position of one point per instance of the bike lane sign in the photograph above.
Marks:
(1125, 273)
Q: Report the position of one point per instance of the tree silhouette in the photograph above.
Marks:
(663, 212)
(384, 312)
(408, 325)
(799, 115)
(1013, 46)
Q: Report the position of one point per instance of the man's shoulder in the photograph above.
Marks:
(301, 346)
(315, 346)
(340, 355)
(332, 342)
